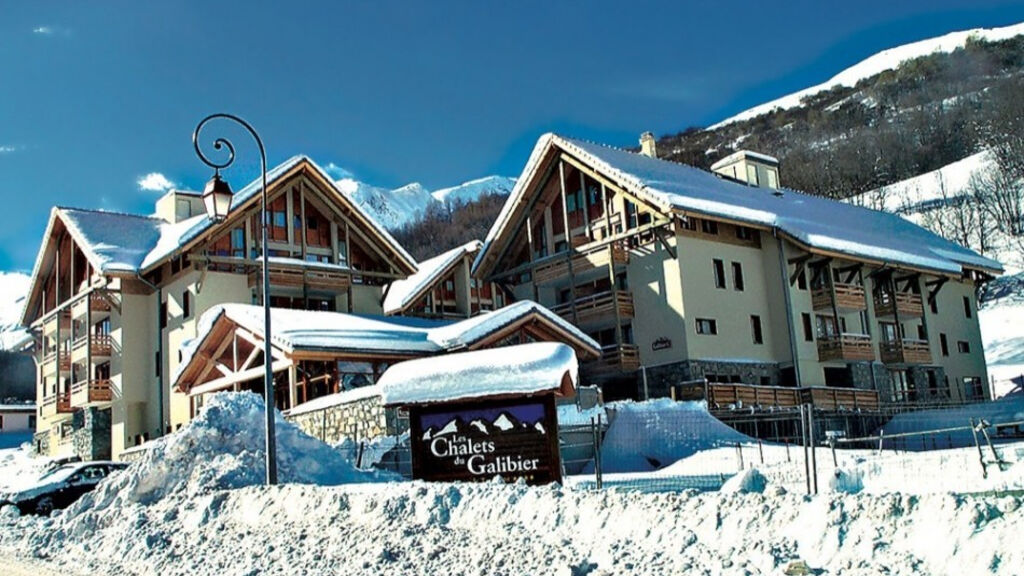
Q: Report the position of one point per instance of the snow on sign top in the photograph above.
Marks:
(523, 369)
(405, 292)
(815, 221)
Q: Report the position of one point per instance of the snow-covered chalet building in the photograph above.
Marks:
(683, 274)
(114, 296)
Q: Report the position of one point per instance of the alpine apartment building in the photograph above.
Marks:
(115, 297)
(682, 274)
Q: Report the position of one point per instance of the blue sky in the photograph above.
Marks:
(96, 96)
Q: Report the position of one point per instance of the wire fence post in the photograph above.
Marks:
(977, 444)
(814, 446)
(739, 454)
(988, 440)
(595, 432)
(359, 455)
(787, 451)
(803, 442)
(760, 450)
(881, 439)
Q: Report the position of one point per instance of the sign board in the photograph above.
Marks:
(478, 440)
(662, 343)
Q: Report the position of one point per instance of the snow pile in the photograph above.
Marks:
(223, 448)
(488, 528)
(19, 466)
(1001, 317)
(646, 436)
(750, 480)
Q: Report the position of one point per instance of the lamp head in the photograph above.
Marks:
(217, 198)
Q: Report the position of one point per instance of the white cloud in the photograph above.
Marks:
(7, 149)
(337, 172)
(45, 30)
(155, 182)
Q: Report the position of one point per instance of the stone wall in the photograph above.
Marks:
(91, 436)
(661, 378)
(861, 375)
(41, 442)
(359, 420)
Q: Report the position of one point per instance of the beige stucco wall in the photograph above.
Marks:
(135, 410)
(366, 299)
(655, 283)
(952, 321)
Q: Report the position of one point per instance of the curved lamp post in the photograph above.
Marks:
(217, 198)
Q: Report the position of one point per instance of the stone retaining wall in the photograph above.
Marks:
(359, 420)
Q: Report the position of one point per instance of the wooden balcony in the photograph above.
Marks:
(64, 318)
(89, 392)
(905, 351)
(100, 344)
(906, 304)
(845, 348)
(285, 275)
(848, 297)
(598, 307)
(49, 361)
(614, 360)
(733, 396)
(556, 267)
(54, 405)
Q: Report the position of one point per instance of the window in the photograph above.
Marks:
(186, 304)
(967, 307)
(826, 326)
(737, 276)
(963, 346)
(773, 178)
(944, 344)
(709, 227)
(808, 328)
(921, 333)
(163, 315)
(156, 363)
(755, 329)
(973, 388)
(690, 224)
(752, 175)
(801, 279)
(933, 304)
(238, 242)
(744, 233)
(707, 326)
(719, 274)
(342, 253)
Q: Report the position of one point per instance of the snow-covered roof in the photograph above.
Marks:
(113, 241)
(524, 369)
(409, 290)
(307, 330)
(813, 221)
(30, 407)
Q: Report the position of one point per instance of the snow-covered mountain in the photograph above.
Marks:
(13, 288)
(880, 62)
(405, 205)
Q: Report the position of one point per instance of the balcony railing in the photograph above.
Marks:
(55, 404)
(848, 297)
(733, 396)
(596, 307)
(100, 344)
(63, 317)
(845, 347)
(905, 351)
(557, 267)
(904, 303)
(614, 360)
(91, 391)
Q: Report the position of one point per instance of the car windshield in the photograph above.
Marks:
(59, 474)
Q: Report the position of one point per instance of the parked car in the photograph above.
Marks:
(60, 487)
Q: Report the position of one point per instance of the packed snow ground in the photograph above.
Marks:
(193, 505)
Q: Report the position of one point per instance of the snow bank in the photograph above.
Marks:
(750, 480)
(19, 466)
(1009, 409)
(504, 530)
(646, 436)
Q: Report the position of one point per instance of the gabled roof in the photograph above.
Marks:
(404, 293)
(120, 243)
(312, 331)
(814, 222)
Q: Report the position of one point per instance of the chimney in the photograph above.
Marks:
(178, 205)
(648, 147)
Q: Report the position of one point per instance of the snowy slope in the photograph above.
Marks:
(400, 206)
(920, 192)
(13, 288)
(474, 189)
(884, 60)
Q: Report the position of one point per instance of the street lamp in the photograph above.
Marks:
(217, 198)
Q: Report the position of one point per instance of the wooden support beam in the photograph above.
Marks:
(659, 233)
